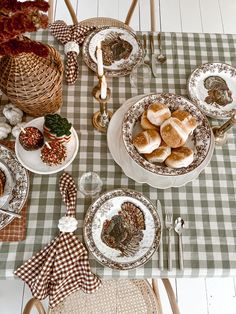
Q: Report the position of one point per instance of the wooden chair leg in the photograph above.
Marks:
(131, 11)
(50, 11)
(72, 12)
(171, 296)
(156, 291)
(153, 15)
(34, 302)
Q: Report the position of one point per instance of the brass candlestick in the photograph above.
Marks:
(220, 132)
(102, 117)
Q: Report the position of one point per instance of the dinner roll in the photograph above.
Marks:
(180, 157)
(160, 154)
(188, 121)
(145, 123)
(146, 141)
(173, 132)
(157, 113)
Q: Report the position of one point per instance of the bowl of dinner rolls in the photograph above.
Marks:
(166, 134)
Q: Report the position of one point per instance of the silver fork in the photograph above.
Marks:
(169, 227)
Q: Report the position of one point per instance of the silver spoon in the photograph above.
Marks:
(179, 226)
(160, 58)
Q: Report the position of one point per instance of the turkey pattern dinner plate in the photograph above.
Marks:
(122, 229)
(212, 86)
(120, 48)
(16, 187)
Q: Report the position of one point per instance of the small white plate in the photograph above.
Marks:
(212, 86)
(31, 159)
(138, 237)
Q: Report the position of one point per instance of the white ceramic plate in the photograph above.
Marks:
(120, 67)
(132, 169)
(136, 233)
(31, 159)
(199, 140)
(212, 86)
(18, 181)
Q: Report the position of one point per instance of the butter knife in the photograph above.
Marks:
(159, 211)
(9, 212)
(153, 56)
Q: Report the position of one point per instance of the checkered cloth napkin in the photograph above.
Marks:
(62, 267)
(71, 36)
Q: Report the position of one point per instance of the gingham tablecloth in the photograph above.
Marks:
(207, 204)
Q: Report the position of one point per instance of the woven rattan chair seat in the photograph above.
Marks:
(115, 296)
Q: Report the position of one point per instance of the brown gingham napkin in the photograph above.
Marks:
(16, 230)
(62, 267)
(71, 36)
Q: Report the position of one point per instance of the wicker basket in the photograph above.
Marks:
(33, 83)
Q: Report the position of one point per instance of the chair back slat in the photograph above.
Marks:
(74, 17)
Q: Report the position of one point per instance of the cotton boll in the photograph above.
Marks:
(13, 114)
(17, 128)
(5, 129)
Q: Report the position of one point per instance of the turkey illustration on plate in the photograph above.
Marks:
(124, 231)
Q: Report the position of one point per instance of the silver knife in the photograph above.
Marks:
(10, 213)
(159, 211)
(153, 57)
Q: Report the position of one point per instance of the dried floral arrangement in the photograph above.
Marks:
(16, 18)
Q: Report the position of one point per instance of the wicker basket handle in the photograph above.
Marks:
(127, 20)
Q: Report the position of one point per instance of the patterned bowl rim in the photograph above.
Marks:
(111, 73)
(195, 100)
(8, 218)
(88, 236)
(202, 133)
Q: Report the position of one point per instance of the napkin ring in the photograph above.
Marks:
(71, 46)
(67, 224)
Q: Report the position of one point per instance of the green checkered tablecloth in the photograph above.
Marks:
(207, 204)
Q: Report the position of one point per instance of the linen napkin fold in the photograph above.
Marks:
(62, 267)
(71, 36)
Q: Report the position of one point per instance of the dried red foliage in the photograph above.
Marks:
(16, 18)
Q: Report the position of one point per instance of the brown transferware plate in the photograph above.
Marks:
(18, 180)
(199, 141)
(212, 86)
(122, 229)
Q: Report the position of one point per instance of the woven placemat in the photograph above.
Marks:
(16, 230)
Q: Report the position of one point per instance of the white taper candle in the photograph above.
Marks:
(99, 60)
(103, 88)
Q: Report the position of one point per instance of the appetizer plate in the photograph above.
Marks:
(31, 159)
(132, 169)
(212, 86)
(123, 50)
(199, 140)
(17, 185)
(122, 229)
